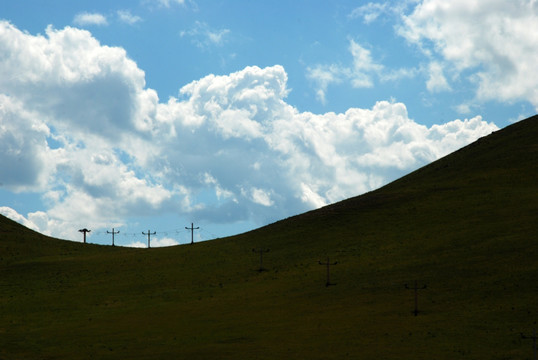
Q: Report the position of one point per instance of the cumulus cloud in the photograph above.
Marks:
(494, 41)
(23, 147)
(66, 106)
(228, 148)
(295, 160)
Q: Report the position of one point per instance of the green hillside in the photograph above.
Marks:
(466, 226)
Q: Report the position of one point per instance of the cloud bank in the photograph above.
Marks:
(488, 46)
(492, 41)
(79, 126)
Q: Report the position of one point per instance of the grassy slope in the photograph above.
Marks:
(465, 225)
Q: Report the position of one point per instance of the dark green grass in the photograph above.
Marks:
(465, 225)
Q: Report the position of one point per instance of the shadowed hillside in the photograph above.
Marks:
(466, 226)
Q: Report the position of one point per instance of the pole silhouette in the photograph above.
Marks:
(149, 235)
(533, 337)
(192, 228)
(328, 264)
(113, 233)
(84, 231)
(416, 288)
(261, 251)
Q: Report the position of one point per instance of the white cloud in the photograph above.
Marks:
(154, 243)
(463, 108)
(363, 66)
(319, 158)
(138, 244)
(229, 148)
(437, 81)
(323, 76)
(25, 155)
(311, 197)
(85, 18)
(373, 11)
(369, 12)
(495, 41)
(92, 97)
(15, 216)
(158, 242)
(203, 36)
(260, 196)
(398, 74)
(167, 3)
(360, 73)
(128, 18)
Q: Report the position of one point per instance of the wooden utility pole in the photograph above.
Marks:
(113, 233)
(533, 337)
(192, 228)
(261, 251)
(84, 231)
(149, 235)
(416, 288)
(328, 264)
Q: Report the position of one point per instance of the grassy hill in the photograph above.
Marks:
(466, 226)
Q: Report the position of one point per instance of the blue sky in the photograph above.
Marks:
(155, 114)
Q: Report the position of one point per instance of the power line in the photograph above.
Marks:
(416, 288)
(533, 337)
(113, 233)
(149, 235)
(166, 232)
(328, 264)
(84, 231)
(210, 234)
(192, 228)
(261, 251)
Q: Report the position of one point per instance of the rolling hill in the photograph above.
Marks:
(465, 226)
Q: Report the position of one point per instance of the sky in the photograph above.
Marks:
(152, 115)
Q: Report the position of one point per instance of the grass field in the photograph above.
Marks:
(466, 226)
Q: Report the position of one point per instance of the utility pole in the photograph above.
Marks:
(84, 231)
(113, 233)
(192, 228)
(416, 288)
(328, 264)
(261, 251)
(149, 235)
(533, 337)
